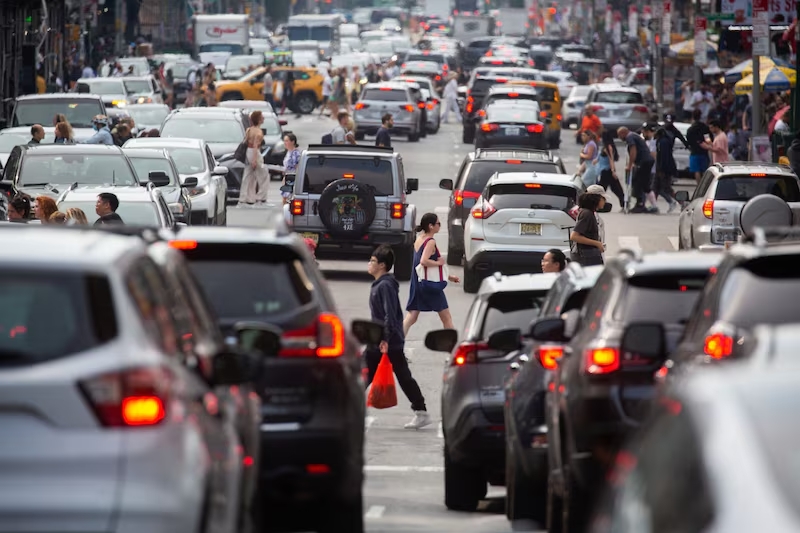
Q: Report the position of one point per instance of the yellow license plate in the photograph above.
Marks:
(313, 236)
(530, 229)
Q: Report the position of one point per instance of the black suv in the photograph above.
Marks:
(477, 89)
(602, 391)
(474, 173)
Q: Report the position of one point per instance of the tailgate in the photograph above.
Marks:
(493, 372)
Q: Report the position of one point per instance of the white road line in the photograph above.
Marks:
(440, 431)
(402, 469)
(673, 241)
(631, 243)
(368, 423)
(374, 511)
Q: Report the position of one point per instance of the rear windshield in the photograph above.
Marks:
(248, 282)
(507, 97)
(743, 188)
(395, 95)
(511, 113)
(375, 173)
(48, 315)
(667, 298)
(481, 86)
(512, 310)
(479, 172)
(618, 98)
(437, 58)
(95, 169)
(79, 112)
(547, 94)
(763, 291)
(531, 196)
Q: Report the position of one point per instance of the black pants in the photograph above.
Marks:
(607, 180)
(588, 260)
(268, 99)
(401, 371)
(640, 182)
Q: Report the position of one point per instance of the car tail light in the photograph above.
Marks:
(409, 108)
(758, 174)
(483, 210)
(559, 117)
(133, 397)
(470, 104)
(708, 208)
(502, 80)
(482, 113)
(432, 105)
(513, 95)
(398, 210)
(421, 105)
(323, 338)
(461, 195)
(361, 105)
(489, 127)
(467, 352)
(596, 107)
(513, 161)
(535, 128)
(438, 78)
(602, 360)
(573, 212)
(542, 114)
(549, 356)
(183, 245)
(641, 109)
(385, 88)
(298, 207)
(718, 345)
(533, 185)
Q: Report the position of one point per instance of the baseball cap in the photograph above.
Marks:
(595, 189)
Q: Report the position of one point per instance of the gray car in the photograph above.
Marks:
(144, 89)
(434, 101)
(138, 206)
(713, 215)
(399, 99)
(42, 109)
(111, 90)
(617, 106)
(148, 116)
(193, 159)
(176, 192)
(221, 129)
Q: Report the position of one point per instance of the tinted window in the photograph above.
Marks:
(132, 213)
(211, 130)
(479, 172)
(667, 298)
(618, 98)
(46, 315)
(531, 196)
(765, 291)
(105, 87)
(385, 95)
(96, 169)
(138, 86)
(507, 97)
(547, 94)
(438, 58)
(79, 112)
(512, 310)
(743, 188)
(374, 173)
(481, 86)
(144, 167)
(515, 114)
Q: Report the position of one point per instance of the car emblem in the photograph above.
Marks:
(531, 214)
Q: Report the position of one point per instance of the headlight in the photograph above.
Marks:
(144, 100)
(197, 191)
(177, 208)
(119, 103)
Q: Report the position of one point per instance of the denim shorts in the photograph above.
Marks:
(698, 163)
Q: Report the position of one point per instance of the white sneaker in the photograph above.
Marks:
(420, 420)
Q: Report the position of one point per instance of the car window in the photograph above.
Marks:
(481, 86)
(479, 172)
(611, 97)
(531, 196)
(385, 94)
(47, 315)
(79, 112)
(376, 174)
(511, 97)
(513, 114)
(667, 298)
(142, 214)
(547, 94)
(743, 188)
(144, 166)
(762, 291)
(95, 169)
(705, 183)
(187, 160)
(212, 130)
(137, 86)
(148, 115)
(103, 87)
(512, 310)
(147, 288)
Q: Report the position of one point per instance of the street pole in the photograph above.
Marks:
(796, 91)
(755, 127)
(761, 47)
(698, 71)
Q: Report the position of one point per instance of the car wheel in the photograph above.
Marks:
(435, 129)
(467, 136)
(553, 510)
(522, 500)
(463, 486)
(403, 262)
(413, 137)
(472, 281)
(344, 516)
(454, 255)
(305, 103)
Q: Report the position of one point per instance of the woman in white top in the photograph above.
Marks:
(254, 164)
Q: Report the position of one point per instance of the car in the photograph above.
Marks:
(175, 192)
(601, 392)
(508, 93)
(516, 219)
(472, 391)
(238, 66)
(222, 131)
(399, 99)
(313, 402)
(138, 206)
(144, 89)
(526, 467)
(429, 69)
(193, 159)
(474, 173)
(127, 384)
(618, 106)
(307, 86)
(80, 110)
(509, 123)
(112, 91)
(573, 106)
(391, 25)
(477, 88)
(148, 117)
(248, 106)
(434, 101)
(505, 61)
(11, 137)
(48, 169)
(350, 199)
(445, 61)
(550, 102)
(713, 215)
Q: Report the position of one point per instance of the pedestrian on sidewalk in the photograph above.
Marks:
(384, 304)
(718, 147)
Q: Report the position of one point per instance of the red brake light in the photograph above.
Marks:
(438, 78)
(597, 107)
(502, 80)
(409, 108)
(482, 113)
(497, 62)
(461, 195)
(467, 352)
(483, 211)
(323, 338)
(513, 95)
(489, 127)
(421, 105)
(602, 360)
(431, 105)
(549, 356)
(362, 105)
(641, 109)
(535, 128)
(718, 346)
(183, 245)
(298, 207)
(758, 174)
(514, 161)
(386, 88)
(348, 176)
(134, 397)
(142, 410)
(543, 114)
(398, 210)
(533, 186)
(559, 118)
(708, 208)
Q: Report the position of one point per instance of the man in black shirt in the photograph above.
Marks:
(697, 134)
(641, 162)
(37, 134)
(106, 208)
(383, 138)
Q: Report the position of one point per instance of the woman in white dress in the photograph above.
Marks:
(254, 164)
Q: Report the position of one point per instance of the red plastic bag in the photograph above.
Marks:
(383, 393)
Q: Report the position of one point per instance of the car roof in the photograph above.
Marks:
(512, 89)
(748, 167)
(59, 96)
(124, 193)
(164, 141)
(514, 154)
(146, 153)
(274, 231)
(398, 85)
(546, 178)
(520, 282)
(663, 262)
(72, 149)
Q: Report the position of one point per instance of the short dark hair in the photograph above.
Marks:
(384, 254)
(589, 201)
(341, 115)
(22, 204)
(386, 118)
(715, 123)
(291, 136)
(558, 257)
(113, 201)
(697, 114)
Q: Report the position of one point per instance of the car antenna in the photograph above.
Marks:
(113, 178)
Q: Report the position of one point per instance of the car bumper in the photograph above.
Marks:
(487, 262)
(538, 141)
(203, 207)
(331, 247)
(398, 129)
(632, 123)
(477, 441)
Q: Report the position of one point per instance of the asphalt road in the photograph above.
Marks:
(404, 488)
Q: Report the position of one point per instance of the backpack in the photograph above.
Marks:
(327, 139)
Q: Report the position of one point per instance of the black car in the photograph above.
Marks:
(511, 123)
(474, 173)
(477, 88)
(600, 392)
(313, 403)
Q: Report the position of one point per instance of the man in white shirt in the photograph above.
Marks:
(267, 89)
(451, 99)
(703, 100)
(618, 71)
(327, 90)
(687, 89)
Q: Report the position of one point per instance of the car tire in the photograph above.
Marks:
(467, 136)
(344, 516)
(464, 487)
(435, 129)
(572, 512)
(305, 103)
(454, 255)
(553, 510)
(522, 500)
(472, 281)
(413, 137)
(360, 135)
(403, 262)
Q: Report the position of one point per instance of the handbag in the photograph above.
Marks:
(383, 392)
(241, 152)
(434, 277)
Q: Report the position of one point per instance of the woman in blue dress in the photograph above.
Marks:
(425, 298)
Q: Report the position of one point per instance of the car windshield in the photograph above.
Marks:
(138, 86)
(386, 94)
(271, 126)
(610, 97)
(9, 140)
(143, 214)
(666, 298)
(579, 92)
(512, 310)
(79, 112)
(375, 173)
(95, 169)
(143, 166)
(105, 87)
(743, 188)
(47, 315)
(762, 291)
(511, 114)
(148, 115)
(531, 196)
(237, 63)
(211, 130)
(479, 172)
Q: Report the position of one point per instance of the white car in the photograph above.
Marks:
(573, 106)
(516, 220)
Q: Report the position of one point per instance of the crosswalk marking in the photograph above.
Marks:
(402, 469)
(673, 241)
(374, 511)
(631, 243)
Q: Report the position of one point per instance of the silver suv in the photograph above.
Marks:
(714, 214)
(350, 199)
(618, 106)
(400, 99)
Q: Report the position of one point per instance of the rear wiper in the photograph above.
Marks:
(541, 206)
(6, 354)
(34, 184)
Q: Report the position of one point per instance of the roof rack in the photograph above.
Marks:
(350, 148)
(761, 236)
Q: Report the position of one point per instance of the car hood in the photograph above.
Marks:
(220, 149)
(171, 193)
(108, 98)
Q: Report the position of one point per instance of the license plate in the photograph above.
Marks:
(530, 229)
(313, 236)
(512, 131)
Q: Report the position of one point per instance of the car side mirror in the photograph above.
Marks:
(283, 122)
(288, 189)
(682, 196)
(189, 183)
(220, 171)
(606, 208)
(412, 184)
(446, 184)
(548, 330)
(234, 367)
(505, 340)
(367, 332)
(644, 340)
(258, 338)
(441, 340)
(158, 178)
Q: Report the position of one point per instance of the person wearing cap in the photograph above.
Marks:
(669, 126)
(586, 234)
(102, 133)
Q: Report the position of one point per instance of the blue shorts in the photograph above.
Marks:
(698, 163)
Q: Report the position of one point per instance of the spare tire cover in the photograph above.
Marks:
(765, 210)
(347, 208)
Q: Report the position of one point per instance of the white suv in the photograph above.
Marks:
(517, 219)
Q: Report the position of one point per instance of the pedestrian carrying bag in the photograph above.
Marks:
(383, 393)
(434, 277)
(327, 138)
(241, 152)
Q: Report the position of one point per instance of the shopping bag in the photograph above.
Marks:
(383, 393)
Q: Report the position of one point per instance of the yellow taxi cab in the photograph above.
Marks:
(307, 86)
(550, 103)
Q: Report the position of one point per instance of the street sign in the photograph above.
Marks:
(713, 17)
(700, 46)
(761, 28)
(666, 23)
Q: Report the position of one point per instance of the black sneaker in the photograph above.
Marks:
(638, 209)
